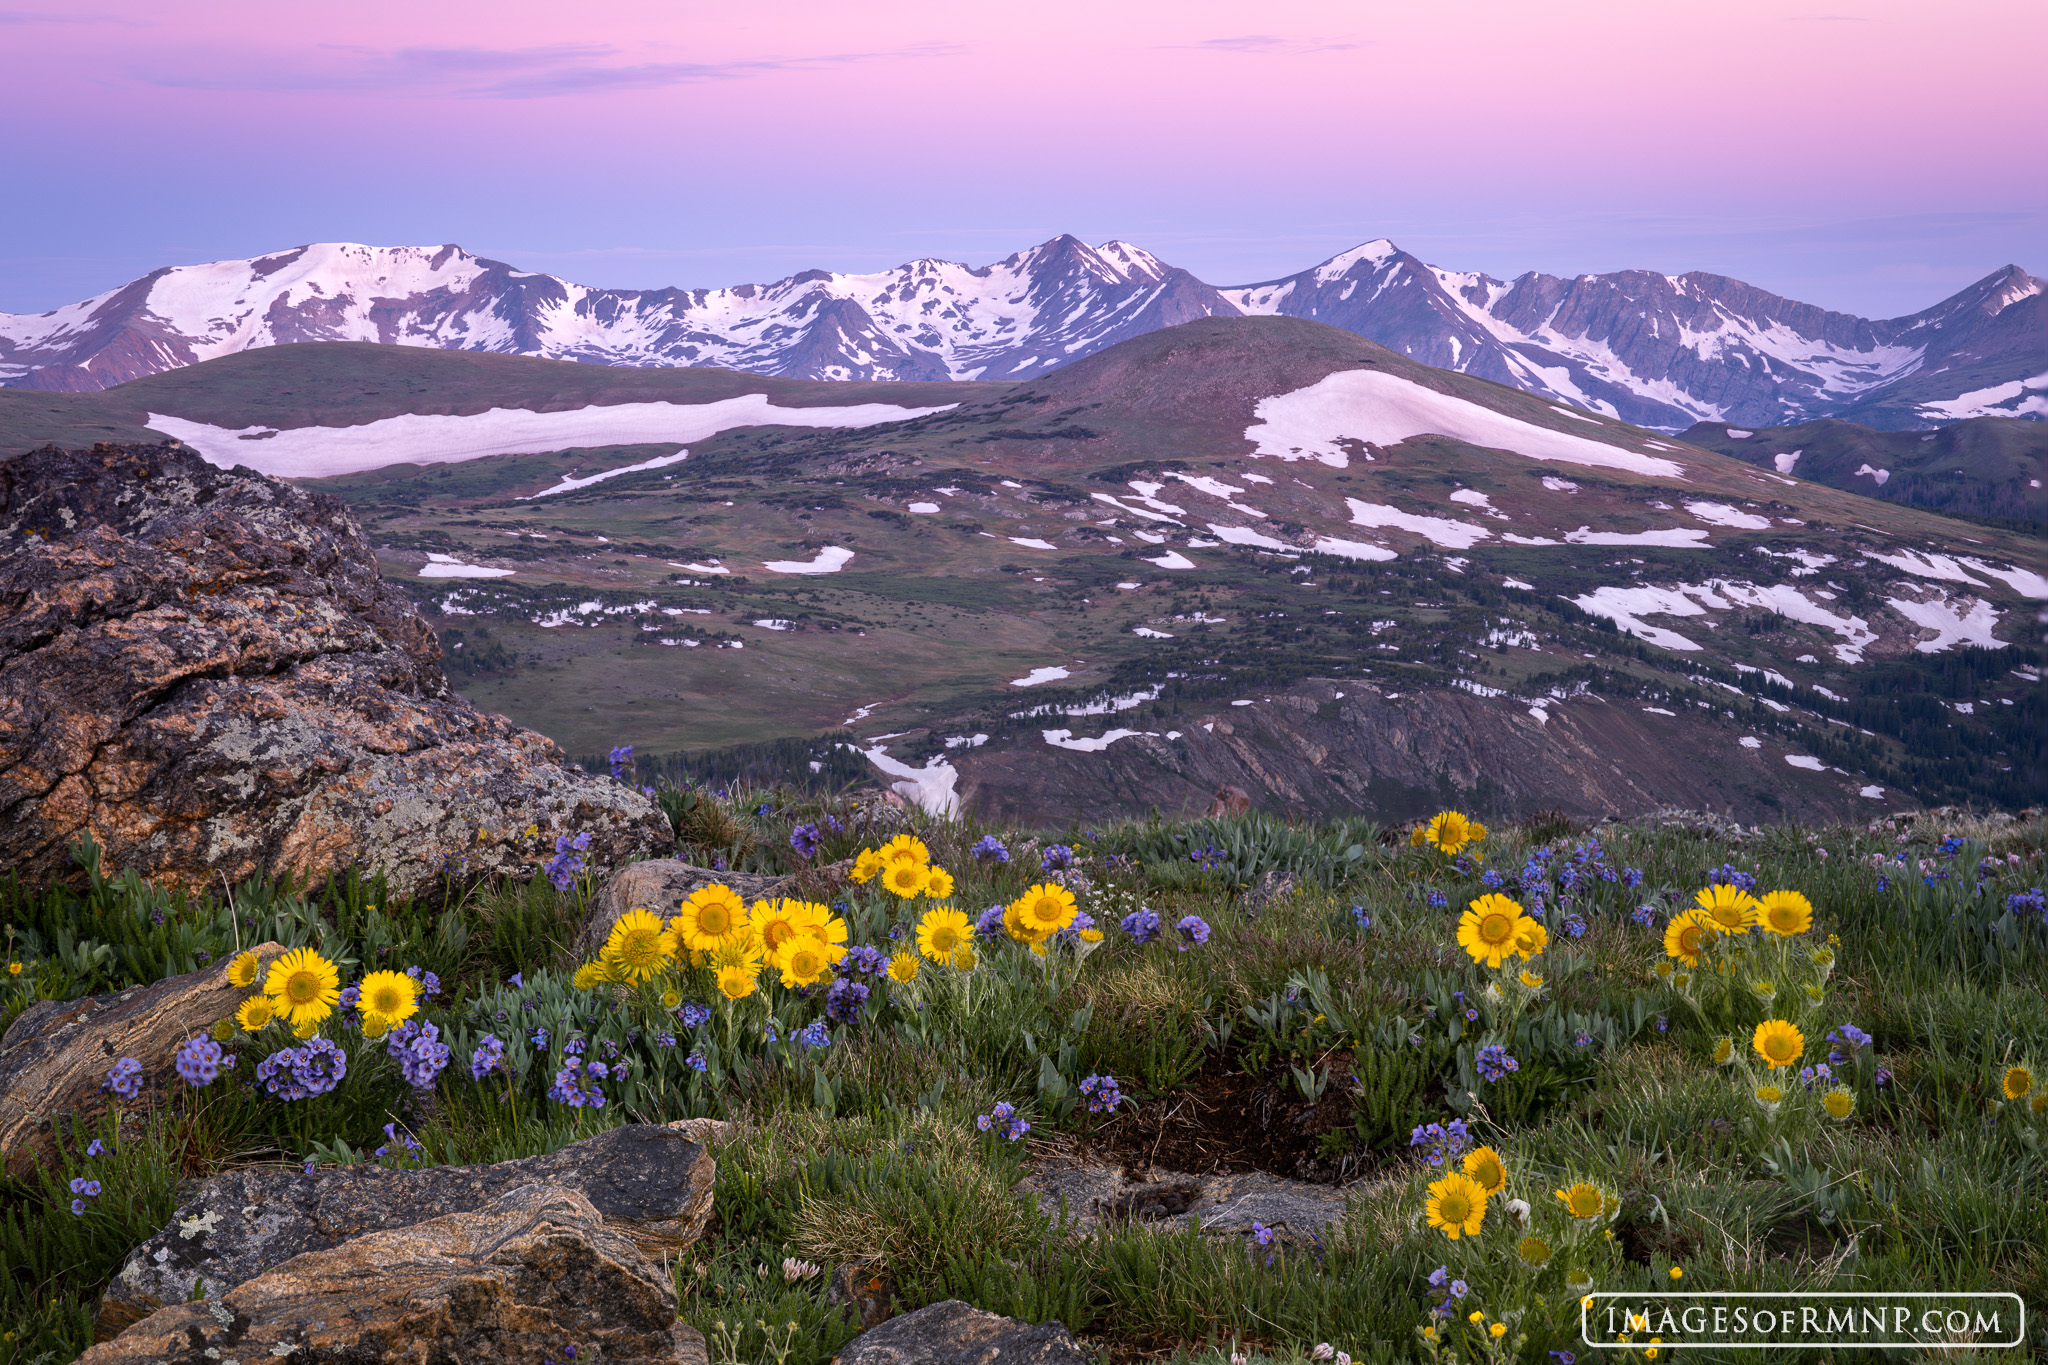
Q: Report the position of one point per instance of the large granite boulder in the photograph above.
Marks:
(203, 669)
(954, 1333)
(1220, 1205)
(648, 1184)
(530, 1273)
(56, 1054)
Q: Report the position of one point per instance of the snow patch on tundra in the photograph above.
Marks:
(422, 438)
(1383, 409)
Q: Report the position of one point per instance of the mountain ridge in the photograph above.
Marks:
(1665, 351)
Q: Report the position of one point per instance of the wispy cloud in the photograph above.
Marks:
(31, 16)
(489, 73)
(1263, 44)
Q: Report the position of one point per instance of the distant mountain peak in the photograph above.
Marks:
(1659, 350)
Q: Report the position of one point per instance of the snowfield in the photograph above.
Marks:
(1444, 531)
(416, 438)
(1627, 606)
(1371, 406)
(831, 559)
(447, 566)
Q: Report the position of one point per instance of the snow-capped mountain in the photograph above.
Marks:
(1658, 350)
(925, 320)
(1669, 350)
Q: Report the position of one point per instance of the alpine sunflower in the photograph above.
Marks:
(1044, 910)
(1784, 913)
(1839, 1102)
(1730, 909)
(965, 959)
(735, 983)
(1724, 1051)
(1778, 1043)
(1531, 981)
(1456, 1206)
(709, 915)
(392, 997)
(1531, 938)
(256, 1013)
(903, 968)
(1486, 1167)
(804, 960)
(638, 946)
(941, 933)
(819, 922)
(2016, 1082)
(1488, 928)
(305, 985)
(1418, 836)
(1449, 832)
(866, 865)
(1687, 937)
(1534, 1251)
(776, 922)
(940, 884)
(906, 848)
(241, 972)
(1583, 1201)
(905, 878)
(588, 977)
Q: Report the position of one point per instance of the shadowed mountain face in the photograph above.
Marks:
(1656, 350)
(1262, 552)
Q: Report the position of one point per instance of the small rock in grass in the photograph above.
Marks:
(953, 1333)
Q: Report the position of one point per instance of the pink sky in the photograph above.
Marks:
(1869, 155)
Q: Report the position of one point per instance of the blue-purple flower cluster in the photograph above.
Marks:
(844, 1000)
(1494, 1062)
(1361, 917)
(622, 762)
(1440, 1142)
(1194, 931)
(488, 1057)
(568, 860)
(806, 840)
(300, 1073)
(989, 923)
(124, 1078)
(990, 849)
(1058, 858)
(1102, 1093)
(200, 1061)
(577, 1085)
(1003, 1117)
(1142, 925)
(419, 1052)
(1448, 1290)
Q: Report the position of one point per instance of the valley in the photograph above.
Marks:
(1261, 553)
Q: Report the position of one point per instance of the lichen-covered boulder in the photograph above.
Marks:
(647, 1183)
(202, 669)
(954, 1333)
(56, 1054)
(518, 1280)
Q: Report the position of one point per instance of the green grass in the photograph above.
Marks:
(865, 1161)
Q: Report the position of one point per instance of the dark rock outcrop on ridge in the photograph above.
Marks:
(202, 669)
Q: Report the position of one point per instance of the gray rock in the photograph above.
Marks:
(515, 1280)
(953, 1333)
(649, 1184)
(1222, 1205)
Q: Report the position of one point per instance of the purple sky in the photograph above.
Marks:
(1866, 155)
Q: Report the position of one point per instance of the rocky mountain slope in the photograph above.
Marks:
(1989, 467)
(1259, 552)
(1656, 350)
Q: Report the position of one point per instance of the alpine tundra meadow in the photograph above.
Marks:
(900, 684)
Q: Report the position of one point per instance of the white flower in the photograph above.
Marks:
(1323, 1351)
(1518, 1209)
(794, 1270)
(1343, 1359)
